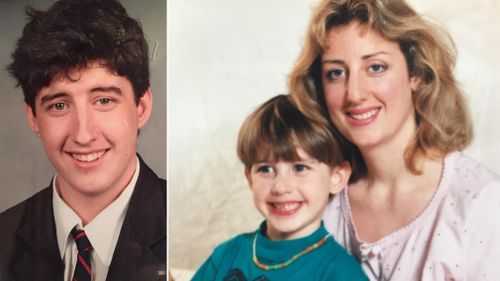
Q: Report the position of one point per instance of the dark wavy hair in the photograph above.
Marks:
(72, 34)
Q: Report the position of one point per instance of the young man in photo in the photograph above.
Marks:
(83, 67)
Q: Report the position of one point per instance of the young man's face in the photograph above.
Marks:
(293, 195)
(88, 125)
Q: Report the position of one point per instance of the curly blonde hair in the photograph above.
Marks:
(442, 115)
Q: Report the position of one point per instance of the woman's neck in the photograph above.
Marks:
(385, 160)
(391, 196)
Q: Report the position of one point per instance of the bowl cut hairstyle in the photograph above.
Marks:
(275, 130)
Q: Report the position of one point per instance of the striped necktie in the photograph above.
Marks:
(83, 271)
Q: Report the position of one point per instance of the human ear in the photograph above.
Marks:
(144, 108)
(340, 177)
(32, 120)
(248, 177)
(414, 82)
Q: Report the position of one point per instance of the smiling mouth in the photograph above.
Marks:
(364, 115)
(89, 157)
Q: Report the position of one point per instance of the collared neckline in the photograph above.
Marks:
(103, 231)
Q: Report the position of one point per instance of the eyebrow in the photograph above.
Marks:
(374, 54)
(333, 61)
(50, 97)
(112, 89)
(364, 57)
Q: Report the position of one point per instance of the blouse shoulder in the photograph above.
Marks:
(472, 183)
(476, 191)
(471, 172)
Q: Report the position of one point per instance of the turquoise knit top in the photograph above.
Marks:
(232, 260)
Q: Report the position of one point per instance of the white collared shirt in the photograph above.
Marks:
(103, 231)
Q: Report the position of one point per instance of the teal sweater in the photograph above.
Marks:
(328, 262)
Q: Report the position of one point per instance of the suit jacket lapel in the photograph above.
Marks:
(37, 254)
(141, 247)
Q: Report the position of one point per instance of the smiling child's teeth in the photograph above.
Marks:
(286, 206)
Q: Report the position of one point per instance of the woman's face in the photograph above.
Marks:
(367, 87)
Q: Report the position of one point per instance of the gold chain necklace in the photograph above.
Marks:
(288, 262)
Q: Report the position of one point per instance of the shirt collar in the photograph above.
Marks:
(103, 230)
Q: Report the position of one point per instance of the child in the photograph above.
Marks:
(292, 166)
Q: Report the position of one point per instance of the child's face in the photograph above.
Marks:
(293, 195)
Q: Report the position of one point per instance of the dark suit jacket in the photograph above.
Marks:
(28, 244)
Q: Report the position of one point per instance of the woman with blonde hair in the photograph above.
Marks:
(416, 208)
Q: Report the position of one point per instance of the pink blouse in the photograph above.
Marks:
(456, 237)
